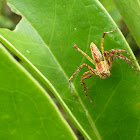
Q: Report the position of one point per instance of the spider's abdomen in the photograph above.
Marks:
(102, 69)
(96, 54)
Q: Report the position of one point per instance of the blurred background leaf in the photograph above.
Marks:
(131, 16)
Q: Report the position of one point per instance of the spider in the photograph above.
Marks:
(102, 62)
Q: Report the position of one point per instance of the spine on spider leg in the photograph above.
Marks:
(75, 46)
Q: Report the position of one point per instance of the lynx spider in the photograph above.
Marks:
(102, 62)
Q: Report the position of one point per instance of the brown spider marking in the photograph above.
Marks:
(102, 62)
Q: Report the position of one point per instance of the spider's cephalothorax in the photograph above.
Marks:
(102, 67)
(102, 62)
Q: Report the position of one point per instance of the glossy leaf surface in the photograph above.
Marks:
(44, 39)
(26, 111)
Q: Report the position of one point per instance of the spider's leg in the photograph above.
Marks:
(102, 48)
(119, 50)
(90, 68)
(125, 58)
(91, 60)
(109, 59)
(71, 89)
(85, 74)
(133, 66)
(83, 84)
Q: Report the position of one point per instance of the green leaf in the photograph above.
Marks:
(44, 39)
(26, 110)
(112, 10)
(130, 10)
